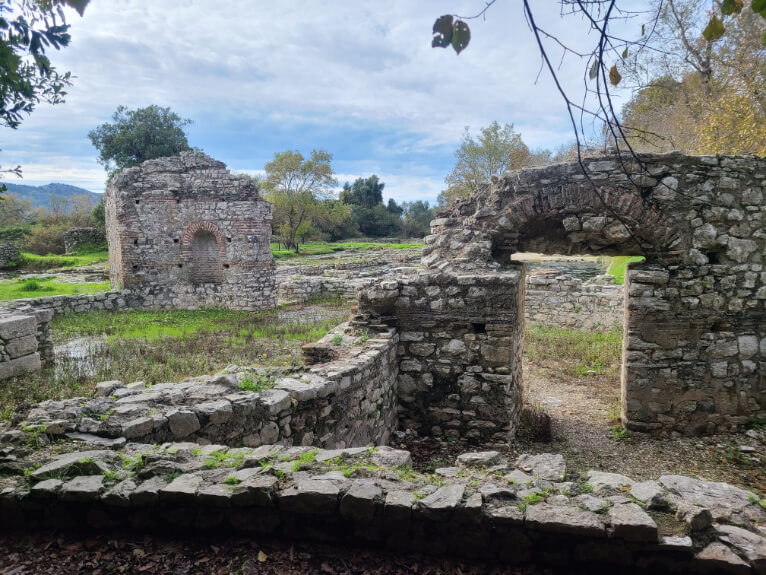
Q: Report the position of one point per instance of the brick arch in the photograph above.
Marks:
(187, 239)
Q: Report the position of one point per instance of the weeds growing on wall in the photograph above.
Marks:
(580, 352)
(166, 346)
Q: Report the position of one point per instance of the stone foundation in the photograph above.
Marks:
(76, 237)
(25, 342)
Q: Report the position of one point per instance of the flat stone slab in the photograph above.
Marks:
(310, 497)
(602, 481)
(440, 505)
(565, 519)
(359, 502)
(751, 545)
(75, 463)
(480, 459)
(718, 558)
(547, 466)
(723, 500)
(631, 523)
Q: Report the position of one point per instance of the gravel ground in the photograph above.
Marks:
(585, 430)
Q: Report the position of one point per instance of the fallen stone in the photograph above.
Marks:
(386, 456)
(563, 519)
(91, 439)
(547, 466)
(631, 523)
(82, 488)
(440, 505)
(751, 545)
(718, 558)
(602, 481)
(46, 489)
(310, 497)
(107, 388)
(480, 459)
(650, 493)
(360, 501)
(591, 503)
(75, 463)
(182, 488)
(119, 495)
(723, 500)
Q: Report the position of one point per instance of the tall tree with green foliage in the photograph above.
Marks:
(368, 212)
(495, 150)
(135, 136)
(27, 76)
(416, 219)
(296, 186)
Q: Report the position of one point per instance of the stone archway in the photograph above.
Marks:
(694, 346)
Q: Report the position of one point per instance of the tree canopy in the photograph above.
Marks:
(135, 136)
(296, 186)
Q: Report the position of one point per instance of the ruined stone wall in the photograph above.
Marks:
(184, 233)
(695, 317)
(350, 401)
(459, 352)
(25, 341)
(552, 299)
(76, 237)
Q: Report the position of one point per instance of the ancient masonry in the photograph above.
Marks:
(694, 357)
(183, 232)
(74, 238)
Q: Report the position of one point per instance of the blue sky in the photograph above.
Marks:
(356, 78)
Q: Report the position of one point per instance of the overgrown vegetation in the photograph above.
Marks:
(619, 264)
(580, 352)
(169, 346)
(26, 288)
(319, 248)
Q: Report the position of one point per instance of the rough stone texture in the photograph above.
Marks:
(344, 496)
(695, 313)
(347, 402)
(185, 233)
(552, 298)
(8, 253)
(25, 341)
(459, 350)
(76, 237)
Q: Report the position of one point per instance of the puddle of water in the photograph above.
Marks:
(82, 357)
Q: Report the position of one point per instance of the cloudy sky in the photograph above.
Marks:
(356, 78)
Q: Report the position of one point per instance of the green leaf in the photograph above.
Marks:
(442, 32)
(729, 7)
(714, 29)
(594, 69)
(614, 75)
(759, 6)
(461, 35)
(624, 53)
(78, 5)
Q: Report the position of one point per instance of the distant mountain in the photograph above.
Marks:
(40, 195)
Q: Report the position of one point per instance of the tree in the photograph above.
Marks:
(27, 77)
(416, 221)
(368, 212)
(496, 150)
(14, 211)
(135, 136)
(295, 186)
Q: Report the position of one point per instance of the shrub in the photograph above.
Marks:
(535, 424)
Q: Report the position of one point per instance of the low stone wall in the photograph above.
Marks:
(480, 508)
(304, 289)
(61, 304)
(347, 402)
(75, 237)
(25, 342)
(8, 253)
(563, 300)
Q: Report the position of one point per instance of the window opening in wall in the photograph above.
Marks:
(175, 240)
(138, 202)
(206, 259)
(135, 242)
(226, 266)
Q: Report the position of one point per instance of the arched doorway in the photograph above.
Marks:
(206, 259)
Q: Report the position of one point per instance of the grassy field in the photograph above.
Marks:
(578, 351)
(319, 248)
(26, 288)
(166, 346)
(40, 263)
(618, 265)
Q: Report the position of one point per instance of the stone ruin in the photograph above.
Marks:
(694, 358)
(183, 232)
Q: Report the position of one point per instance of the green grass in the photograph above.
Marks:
(318, 248)
(163, 346)
(618, 265)
(579, 351)
(26, 288)
(34, 262)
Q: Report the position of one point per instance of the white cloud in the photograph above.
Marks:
(292, 66)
